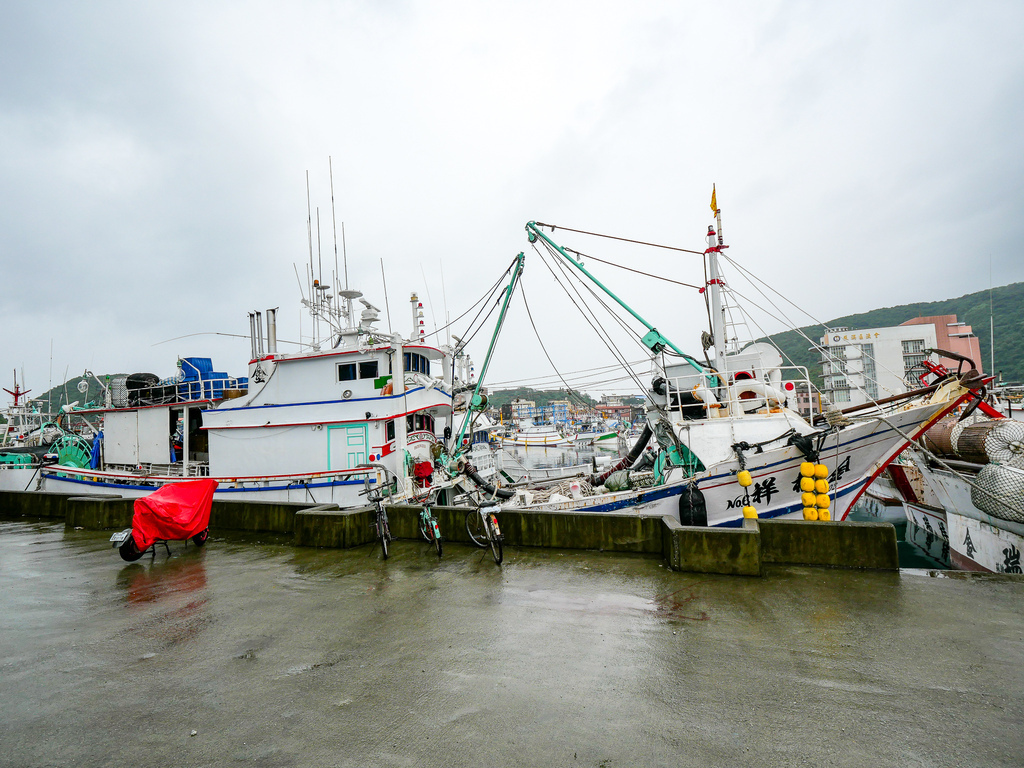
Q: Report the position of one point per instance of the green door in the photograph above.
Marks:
(346, 446)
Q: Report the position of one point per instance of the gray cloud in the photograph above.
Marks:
(153, 179)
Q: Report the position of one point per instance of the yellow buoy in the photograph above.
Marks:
(744, 477)
(820, 471)
(809, 499)
(821, 486)
(823, 514)
(822, 501)
(810, 513)
(807, 484)
(806, 469)
(749, 512)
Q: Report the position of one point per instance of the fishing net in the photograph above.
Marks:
(999, 491)
(564, 488)
(1005, 443)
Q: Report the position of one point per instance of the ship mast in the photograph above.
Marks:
(17, 392)
(716, 244)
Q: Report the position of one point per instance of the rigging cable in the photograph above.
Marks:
(754, 280)
(483, 298)
(628, 269)
(607, 342)
(470, 333)
(571, 276)
(830, 357)
(553, 227)
(542, 379)
(529, 314)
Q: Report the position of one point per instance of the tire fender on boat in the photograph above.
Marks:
(706, 396)
(762, 393)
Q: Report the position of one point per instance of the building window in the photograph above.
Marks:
(368, 370)
(870, 370)
(910, 362)
(913, 347)
(346, 371)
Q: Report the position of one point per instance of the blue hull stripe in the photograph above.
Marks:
(665, 493)
(328, 402)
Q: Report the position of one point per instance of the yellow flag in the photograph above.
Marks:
(714, 203)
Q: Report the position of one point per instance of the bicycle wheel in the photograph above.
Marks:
(494, 538)
(475, 528)
(425, 526)
(383, 533)
(435, 533)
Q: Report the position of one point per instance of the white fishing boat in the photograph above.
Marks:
(965, 485)
(302, 426)
(594, 432)
(536, 436)
(726, 443)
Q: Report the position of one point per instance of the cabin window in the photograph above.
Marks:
(389, 431)
(368, 370)
(346, 371)
(416, 363)
(419, 422)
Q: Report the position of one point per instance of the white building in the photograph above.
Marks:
(523, 409)
(870, 364)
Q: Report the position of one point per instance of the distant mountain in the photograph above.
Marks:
(541, 397)
(973, 309)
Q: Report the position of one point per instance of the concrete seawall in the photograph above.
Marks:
(735, 551)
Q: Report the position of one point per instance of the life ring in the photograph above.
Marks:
(388, 389)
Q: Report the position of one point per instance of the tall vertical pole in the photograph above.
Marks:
(714, 288)
(991, 321)
(185, 447)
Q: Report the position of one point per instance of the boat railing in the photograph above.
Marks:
(704, 396)
(172, 391)
(487, 461)
(147, 469)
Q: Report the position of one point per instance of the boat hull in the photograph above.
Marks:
(977, 541)
(342, 490)
(855, 456)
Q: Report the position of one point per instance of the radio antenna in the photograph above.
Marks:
(344, 254)
(309, 227)
(334, 226)
(387, 304)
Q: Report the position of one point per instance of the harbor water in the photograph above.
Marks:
(250, 651)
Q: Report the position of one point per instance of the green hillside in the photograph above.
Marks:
(541, 397)
(973, 309)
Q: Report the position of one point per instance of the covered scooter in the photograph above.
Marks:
(174, 512)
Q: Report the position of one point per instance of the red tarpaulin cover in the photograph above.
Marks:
(176, 511)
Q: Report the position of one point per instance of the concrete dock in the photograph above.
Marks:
(253, 651)
(738, 551)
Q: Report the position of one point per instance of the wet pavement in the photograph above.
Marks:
(279, 656)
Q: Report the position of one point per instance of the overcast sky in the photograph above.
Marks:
(154, 159)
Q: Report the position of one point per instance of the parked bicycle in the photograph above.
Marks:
(375, 495)
(429, 528)
(483, 529)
